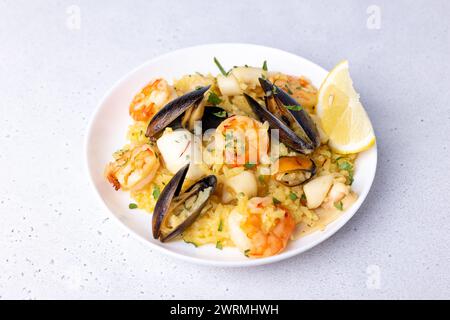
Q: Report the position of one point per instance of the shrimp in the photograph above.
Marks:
(151, 99)
(263, 230)
(299, 88)
(133, 168)
(241, 140)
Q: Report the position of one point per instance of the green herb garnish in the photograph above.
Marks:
(289, 90)
(214, 99)
(249, 165)
(219, 245)
(193, 243)
(246, 252)
(295, 108)
(156, 192)
(303, 199)
(339, 205)
(274, 89)
(222, 70)
(261, 179)
(220, 228)
(345, 166)
(133, 206)
(276, 201)
(220, 114)
(293, 196)
(350, 178)
(264, 67)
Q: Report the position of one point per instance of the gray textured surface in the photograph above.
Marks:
(55, 239)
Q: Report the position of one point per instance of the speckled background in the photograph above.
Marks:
(55, 238)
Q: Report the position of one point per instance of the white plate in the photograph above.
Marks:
(108, 127)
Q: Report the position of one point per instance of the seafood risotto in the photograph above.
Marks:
(234, 160)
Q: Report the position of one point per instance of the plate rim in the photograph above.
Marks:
(340, 222)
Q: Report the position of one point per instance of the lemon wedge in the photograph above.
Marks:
(342, 115)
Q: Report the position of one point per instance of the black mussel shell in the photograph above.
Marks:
(286, 135)
(173, 110)
(171, 190)
(171, 193)
(213, 117)
(277, 98)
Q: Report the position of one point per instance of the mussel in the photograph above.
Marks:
(297, 130)
(173, 110)
(213, 117)
(286, 135)
(175, 211)
(210, 117)
(290, 112)
(293, 171)
(184, 111)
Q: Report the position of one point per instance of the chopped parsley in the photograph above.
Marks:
(274, 89)
(288, 89)
(264, 67)
(350, 178)
(247, 252)
(294, 108)
(339, 205)
(220, 228)
(276, 201)
(249, 165)
(133, 206)
(293, 196)
(220, 114)
(219, 245)
(193, 243)
(156, 192)
(214, 99)
(222, 70)
(345, 166)
(303, 199)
